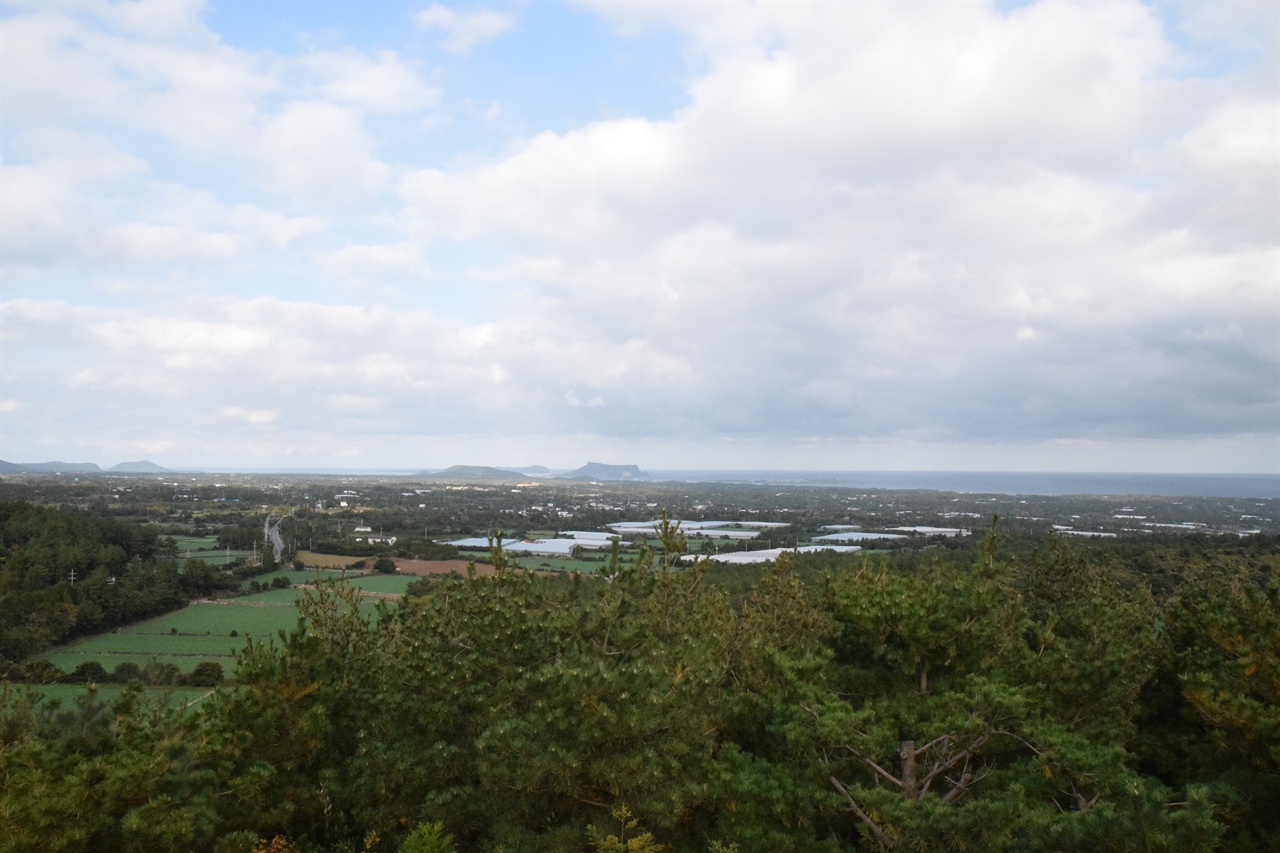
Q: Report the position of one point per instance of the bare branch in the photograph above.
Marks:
(930, 744)
(862, 816)
(876, 767)
(958, 788)
(942, 766)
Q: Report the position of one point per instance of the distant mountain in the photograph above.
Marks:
(469, 473)
(141, 467)
(601, 471)
(532, 469)
(50, 467)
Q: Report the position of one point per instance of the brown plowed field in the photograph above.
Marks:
(438, 567)
(406, 567)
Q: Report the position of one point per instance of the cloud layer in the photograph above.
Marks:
(874, 236)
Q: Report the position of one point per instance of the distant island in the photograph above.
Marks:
(485, 473)
(140, 467)
(467, 473)
(601, 471)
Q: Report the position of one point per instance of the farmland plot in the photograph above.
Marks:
(206, 548)
(296, 577)
(187, 637)
(209, 631)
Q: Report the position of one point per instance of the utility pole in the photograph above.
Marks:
(73, 577)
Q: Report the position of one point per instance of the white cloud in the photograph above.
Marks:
(252, 417)
(377, 264)
(800, 225)
(464, 31)
(211, 101)
(383, 83)
(319, 152)
(869, 227)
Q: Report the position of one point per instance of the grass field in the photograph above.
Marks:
(218, 558)
(303, 576)
(383, 583)
(184, 638)
(206, 548)
(203, 632)
(195, 543)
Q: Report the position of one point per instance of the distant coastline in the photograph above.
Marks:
(1048, 483)
(1052, 483)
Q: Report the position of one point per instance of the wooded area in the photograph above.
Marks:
(1031, 698)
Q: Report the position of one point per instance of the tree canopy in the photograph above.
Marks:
(1049, 703)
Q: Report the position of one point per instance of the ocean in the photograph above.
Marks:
(1005, 482)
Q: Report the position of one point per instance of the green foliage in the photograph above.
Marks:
(428, 838)
(126, 672)
(900, 704)
(627, 839)
(437, 551)
(1213, 711)
(88, 672)
(206, 674)
(64, 575)
(1094, 643)
(384, 565)
(124, 777)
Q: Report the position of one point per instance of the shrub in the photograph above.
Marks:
(428, 838)
(206, 674)
(385, 565)
(87, 672)
(43, 672)
(126, 672)
(161, 674)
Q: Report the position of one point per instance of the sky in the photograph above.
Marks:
(846, 236)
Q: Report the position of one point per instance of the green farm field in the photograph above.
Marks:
(218, 558)
(203, 632)
(295, 577)
(386, 584)
(185, 638)
(195, 543)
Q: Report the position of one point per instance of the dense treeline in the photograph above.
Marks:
(1047, 703)
(122, 573)
(66, 574)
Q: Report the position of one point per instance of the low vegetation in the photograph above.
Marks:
(1042, 703)
(1013, 691)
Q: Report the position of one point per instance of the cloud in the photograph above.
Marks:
(252, 417)
(464, 31)
(864, 213)
(377, 264)
(319, 152)
(867, 229)
(383, 83)
(178, 83)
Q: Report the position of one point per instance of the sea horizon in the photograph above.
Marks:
(1050, 483)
